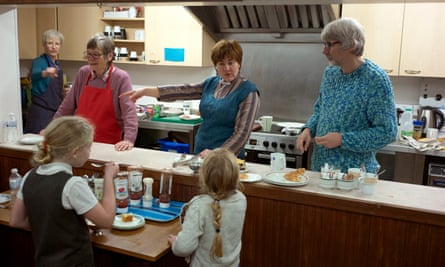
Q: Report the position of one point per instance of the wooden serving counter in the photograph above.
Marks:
(400, 225)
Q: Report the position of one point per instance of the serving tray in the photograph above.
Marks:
(155, 213)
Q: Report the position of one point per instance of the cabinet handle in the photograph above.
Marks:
(412, 71)
(388, 71)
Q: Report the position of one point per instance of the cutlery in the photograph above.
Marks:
(184, 162)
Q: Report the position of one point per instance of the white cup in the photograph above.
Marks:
(368, 183)
(266, 122)
(186, 108)
(277, 161)
(123, 51)
(133, 54)
(432, 133)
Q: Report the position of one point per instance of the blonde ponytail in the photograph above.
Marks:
(216, 250)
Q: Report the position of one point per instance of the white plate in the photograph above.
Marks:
(4, 198)
(138, 222)
(426, 140)
(290, 124)
(251, 178)
(190, 117)
(277, 178)
(146, 100)
(31, 139)
(170, 112)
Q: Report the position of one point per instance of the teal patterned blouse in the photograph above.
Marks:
(360, 105)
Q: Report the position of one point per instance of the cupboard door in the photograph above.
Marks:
(78, 25)
(46, 19)
(383, 32)
(423, 37)
(26, 18)
(175, 29)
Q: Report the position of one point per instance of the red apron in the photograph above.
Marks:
(96, 104)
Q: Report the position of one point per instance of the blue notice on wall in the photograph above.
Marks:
(174, 54)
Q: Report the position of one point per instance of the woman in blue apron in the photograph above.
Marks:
(229, 102)
(47, 84)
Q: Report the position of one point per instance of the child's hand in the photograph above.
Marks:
(111, 169)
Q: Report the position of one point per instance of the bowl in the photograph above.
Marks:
(328, 183)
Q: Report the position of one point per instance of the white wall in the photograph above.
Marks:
(9, 67)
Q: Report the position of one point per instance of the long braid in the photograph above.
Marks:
(216, 250)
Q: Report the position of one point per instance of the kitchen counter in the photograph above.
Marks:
(396, 146)
(307, 225)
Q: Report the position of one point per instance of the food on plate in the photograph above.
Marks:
(186, 116)
(295, 176)
(243, 176)
(348, 177)
(241, 164)
(127, 217)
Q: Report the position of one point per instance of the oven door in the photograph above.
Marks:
(263, 157)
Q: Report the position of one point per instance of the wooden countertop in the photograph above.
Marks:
(148, 243)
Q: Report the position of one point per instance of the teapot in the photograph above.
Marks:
(431, 117)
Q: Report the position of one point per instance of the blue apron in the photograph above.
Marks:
(219, 114)
(44, 106)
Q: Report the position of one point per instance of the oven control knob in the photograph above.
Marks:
(291, 146)
(266, 143)
(283, 145)
(274, 144)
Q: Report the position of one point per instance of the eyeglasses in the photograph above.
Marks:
(91, 55)
(328, 45)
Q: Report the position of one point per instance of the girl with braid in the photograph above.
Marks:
(213, 224)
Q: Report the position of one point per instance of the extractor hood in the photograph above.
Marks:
(266, 23)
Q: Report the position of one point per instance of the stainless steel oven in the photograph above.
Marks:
(261, 144)
(436, 174)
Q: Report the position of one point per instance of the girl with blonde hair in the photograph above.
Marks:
(54, 204)
(213, 224)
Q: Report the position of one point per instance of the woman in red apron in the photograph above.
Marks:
(95, 96)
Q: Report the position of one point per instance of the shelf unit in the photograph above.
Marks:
(131, 25)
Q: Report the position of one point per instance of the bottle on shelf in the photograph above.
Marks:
(15, 180)
(11, 132)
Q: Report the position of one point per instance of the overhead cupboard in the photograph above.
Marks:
(168, 35)
(405, 39)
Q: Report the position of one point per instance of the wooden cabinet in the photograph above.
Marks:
(175, 37)
(28, 41)
(422, 53)
(383, 32)
(78, 25)
(404, 39)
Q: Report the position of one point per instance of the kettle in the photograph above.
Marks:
(431, 117)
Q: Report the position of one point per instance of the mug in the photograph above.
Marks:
(266, 122)
(277, 161)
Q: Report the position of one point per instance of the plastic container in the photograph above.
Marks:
(406, 123)
(168, 145)
(121, 187)
(135, 184)
(15, 180)
(417, 129)
(148, 192)
(11, 131)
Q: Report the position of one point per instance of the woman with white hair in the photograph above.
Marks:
(47, 83)
(354, 115)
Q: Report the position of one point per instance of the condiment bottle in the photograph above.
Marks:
(148, 192)
(417, 130)
(165, 188)
(135, 184)
(121, 187)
